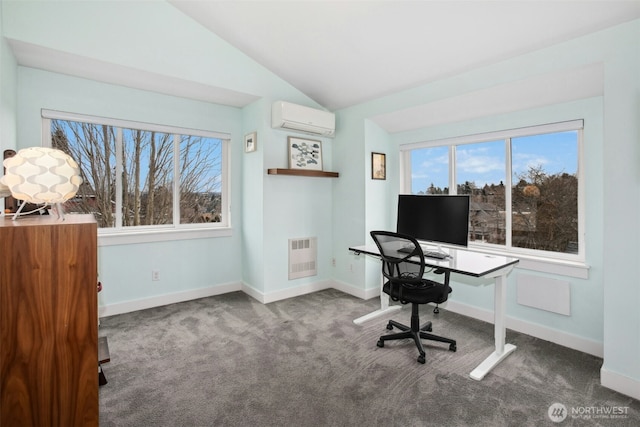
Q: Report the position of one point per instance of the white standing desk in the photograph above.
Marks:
(470, 263)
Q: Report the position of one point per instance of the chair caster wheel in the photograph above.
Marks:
(389, 326)
(380, 343)
(452, 347)
(421, 359)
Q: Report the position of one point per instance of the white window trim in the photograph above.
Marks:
(147, 234)
(561, 264)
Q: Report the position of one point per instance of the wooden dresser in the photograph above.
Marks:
(48, 321)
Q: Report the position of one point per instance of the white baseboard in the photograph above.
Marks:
(609, 379)
(266, 298)
(142, 304)
(553, 335)
(620, 383)
(364, 294)
(548, 334)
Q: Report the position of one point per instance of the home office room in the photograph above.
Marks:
(235, 158)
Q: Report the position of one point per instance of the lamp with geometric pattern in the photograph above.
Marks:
(41, 175)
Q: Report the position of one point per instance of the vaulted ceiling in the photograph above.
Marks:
(341, 53)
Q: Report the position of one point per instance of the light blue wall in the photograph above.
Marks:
(621, 179)
(268, 210)
(277, 208)
(586, 295)
(604, 306)
(349, 198)
(150, 36)
(8, 97)
(380, 194)
(125, 270)
(171, 45)
(253, 197)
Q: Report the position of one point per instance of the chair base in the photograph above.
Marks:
(415, 332)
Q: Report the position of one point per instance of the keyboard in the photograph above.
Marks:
(427, 253)
(436, 255)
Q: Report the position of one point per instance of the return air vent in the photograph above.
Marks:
(303, 257)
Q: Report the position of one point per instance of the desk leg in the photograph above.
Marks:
(385, 308)
(502, 349)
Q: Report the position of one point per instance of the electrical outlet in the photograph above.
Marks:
(333, 262)
(155, 275)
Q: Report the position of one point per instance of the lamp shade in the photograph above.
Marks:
(41, 175)
(4, 190)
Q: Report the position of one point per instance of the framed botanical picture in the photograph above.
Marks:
(305, 153)
(250, 142)
(378, 166)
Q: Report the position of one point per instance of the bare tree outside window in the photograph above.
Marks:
(93, 148)
(149, 161)
(200, 179)
(545, 193)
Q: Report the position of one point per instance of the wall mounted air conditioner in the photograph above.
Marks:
(286, 115)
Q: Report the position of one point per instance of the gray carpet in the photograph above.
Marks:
(230, 361)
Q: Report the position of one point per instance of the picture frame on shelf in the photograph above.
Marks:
(251, 142)
(378, 166)
(304, 153)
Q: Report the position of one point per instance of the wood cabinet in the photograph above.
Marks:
(48, 321)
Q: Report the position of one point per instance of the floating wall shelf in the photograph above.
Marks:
(302, 172)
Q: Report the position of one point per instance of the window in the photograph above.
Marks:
(481, 173)
(144, 177)
(524, 186)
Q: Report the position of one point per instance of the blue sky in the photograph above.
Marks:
(206, 151)
(485, 162)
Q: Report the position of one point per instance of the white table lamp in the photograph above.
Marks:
(41, 175)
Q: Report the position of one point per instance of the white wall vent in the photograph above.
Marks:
(303, 257)
(286, 115)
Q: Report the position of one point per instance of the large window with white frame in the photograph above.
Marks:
(143, 177)
(525, 186)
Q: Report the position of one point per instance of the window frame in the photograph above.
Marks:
(554, 262)
(120, 234)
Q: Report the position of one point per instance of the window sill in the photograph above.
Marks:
(561, 267)
(131, 237)
(578, 270)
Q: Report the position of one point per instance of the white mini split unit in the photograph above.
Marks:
(286, 115)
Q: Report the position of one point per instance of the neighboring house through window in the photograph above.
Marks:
(524, 184)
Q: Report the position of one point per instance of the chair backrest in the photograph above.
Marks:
(395, 251)
(396, 266)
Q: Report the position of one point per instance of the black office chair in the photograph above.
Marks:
(404, 283)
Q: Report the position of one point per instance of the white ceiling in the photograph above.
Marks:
(341, 53)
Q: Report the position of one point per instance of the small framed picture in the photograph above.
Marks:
(250, 142)
(378, 166)
(305, 153)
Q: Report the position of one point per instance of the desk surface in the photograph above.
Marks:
(462, 261)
